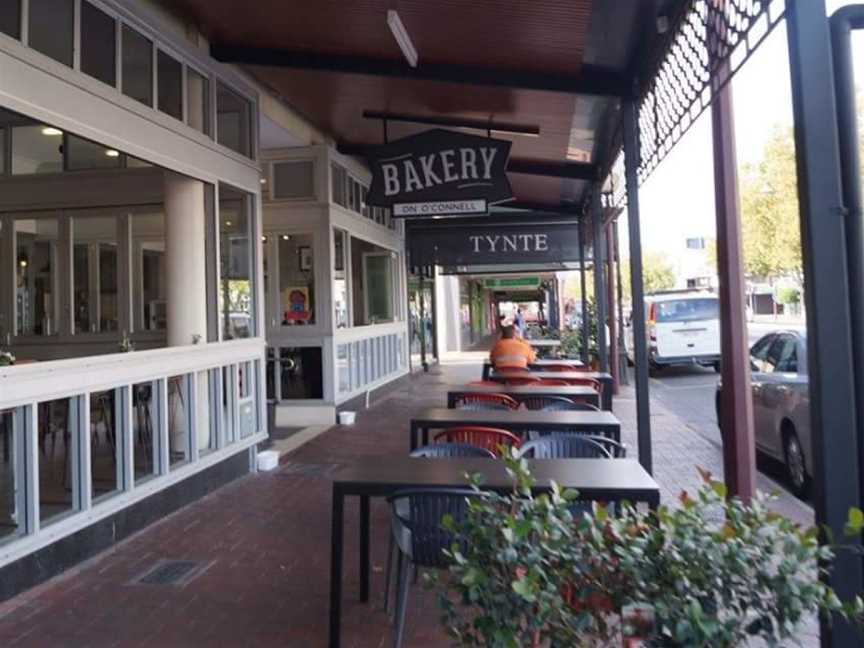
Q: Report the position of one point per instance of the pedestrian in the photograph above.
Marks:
(519, 322)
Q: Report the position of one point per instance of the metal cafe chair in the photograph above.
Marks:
(481, 437)
(434, 451)
(555, 404)
(516, 381)
(564, 446)
(565, 367)
(419, 536)
(616, 449)
(551, 382)
(479, 402)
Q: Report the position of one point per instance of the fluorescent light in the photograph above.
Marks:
(402, 37)
(112, 153)
(263, 181)
(50, 131)
(285, 237)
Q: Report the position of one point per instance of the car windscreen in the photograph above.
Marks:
(687, 310)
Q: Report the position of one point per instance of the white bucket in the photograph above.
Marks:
(268, 460)
(347, 418)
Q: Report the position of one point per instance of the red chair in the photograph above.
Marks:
(588, 382)
(485, 383)
(516, 381)
(486, 401)
(552, 382)
(564, 367)
(481, 437)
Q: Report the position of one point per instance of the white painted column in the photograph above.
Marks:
(186, 285)
(185, 259)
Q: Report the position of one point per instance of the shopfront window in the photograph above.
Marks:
(82, 154)
(36, 294)
(236, 295)
(340, 280)
(169, 73)
(106, 475)
(51, 28)
(137, 66)
(12, 488)
(10, 18)
(98, 44)
(374, 282)
(149, 271)
(95, 269)
(198, 101)
(234, 120)
(59, 437)
(296, 279)
(301, 373)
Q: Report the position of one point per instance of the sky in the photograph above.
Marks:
(677, 200)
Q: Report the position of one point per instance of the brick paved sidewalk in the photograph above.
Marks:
(265, 543)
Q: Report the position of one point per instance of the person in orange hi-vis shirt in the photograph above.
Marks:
(511, 352)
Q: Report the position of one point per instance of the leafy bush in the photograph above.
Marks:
(526, 571)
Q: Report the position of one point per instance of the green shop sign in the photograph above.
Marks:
(517, 282)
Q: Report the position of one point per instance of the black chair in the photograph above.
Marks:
(556, 404)
(564, 446)
(616, 449)
(483, 406)
(436, 451)
(421, 539)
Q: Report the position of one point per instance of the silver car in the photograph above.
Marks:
(781, 403)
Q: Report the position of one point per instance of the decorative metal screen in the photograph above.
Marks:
(710, 44)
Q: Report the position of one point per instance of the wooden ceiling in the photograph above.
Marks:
(508, 36)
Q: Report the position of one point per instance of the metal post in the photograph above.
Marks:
(583, 291)
(421, 314)
(614, 364)
(833, 410)
(630, 116)
(736, 401)
(599, 289)
(622, 343)
(843, 22)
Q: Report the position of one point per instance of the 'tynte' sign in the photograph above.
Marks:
(511, 243)
(439, 172)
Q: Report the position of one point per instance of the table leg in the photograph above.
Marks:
(336, 524)
(413, 436)
(485, 374)
(364, 548)
(425, 436)
(451, 400)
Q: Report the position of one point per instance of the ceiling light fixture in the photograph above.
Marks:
(402, 37)
(112, 153)
(50, 131)
(263, 181)
(285, 237)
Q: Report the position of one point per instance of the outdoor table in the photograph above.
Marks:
(604, 378)
(521, 392)
(596, 479)
(518, 422)
(538, 365)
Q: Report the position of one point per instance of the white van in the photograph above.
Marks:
(683, 328)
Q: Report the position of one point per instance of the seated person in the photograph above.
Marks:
(511, 352)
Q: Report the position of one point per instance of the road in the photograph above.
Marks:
(688, 392)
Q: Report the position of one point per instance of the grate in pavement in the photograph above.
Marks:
(172, 572)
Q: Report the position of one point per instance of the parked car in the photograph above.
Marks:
(683, 328)
(781, 403)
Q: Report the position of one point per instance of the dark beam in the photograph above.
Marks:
(484, 125)
(590, 80)
(571, 170)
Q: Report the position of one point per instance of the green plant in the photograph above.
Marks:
(788, 295)
(715, 571)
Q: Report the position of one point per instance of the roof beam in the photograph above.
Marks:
(590, 79)
(570, 170)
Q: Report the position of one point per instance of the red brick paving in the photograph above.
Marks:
(266, 538)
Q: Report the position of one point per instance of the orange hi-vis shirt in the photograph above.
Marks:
(511, 353)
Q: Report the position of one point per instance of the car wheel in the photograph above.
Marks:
(795, 466)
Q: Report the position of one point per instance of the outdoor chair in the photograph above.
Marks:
(555, 404)
(616, 449)
(588, 382)
(481, 437)
(564, 367)
(480, 402)
(516, 381)
(421, 540)
(484, 383)
(564, 446)
(551, 382)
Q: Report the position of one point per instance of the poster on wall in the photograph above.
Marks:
(298, 305)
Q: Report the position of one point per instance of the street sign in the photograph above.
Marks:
(439, 173)
(515, 282)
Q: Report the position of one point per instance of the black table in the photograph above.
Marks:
(603, 378)
(519, 421)
(521, 392)
(538, 365)
(596, 479)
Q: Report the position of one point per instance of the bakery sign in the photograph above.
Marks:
(438, 173)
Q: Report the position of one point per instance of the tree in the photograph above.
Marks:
(769, 211)
(657, 273)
